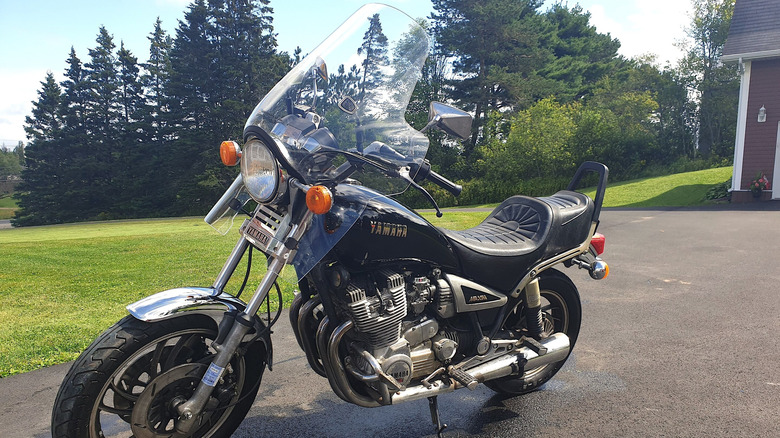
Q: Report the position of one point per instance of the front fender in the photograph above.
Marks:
(174, 302)
(187, 300)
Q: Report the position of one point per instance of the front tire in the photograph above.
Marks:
(562, 312)
(105, 392)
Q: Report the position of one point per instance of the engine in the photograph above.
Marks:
(393, 316)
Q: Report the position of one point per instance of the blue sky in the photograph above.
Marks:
(37, 34)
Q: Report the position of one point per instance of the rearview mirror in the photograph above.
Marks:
(449, 119)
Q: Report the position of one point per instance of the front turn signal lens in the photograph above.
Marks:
(230, 153)
(319, 199)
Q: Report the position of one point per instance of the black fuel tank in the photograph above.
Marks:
(389, 231)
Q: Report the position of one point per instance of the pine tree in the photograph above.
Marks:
(41, 189)
(71, 148)
(496, 50)
(155, 80)
(157, 194)
(223, 61)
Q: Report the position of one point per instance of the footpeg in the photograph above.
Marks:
(463, 377)
(535, 346)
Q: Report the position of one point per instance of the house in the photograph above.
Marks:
(754, 42)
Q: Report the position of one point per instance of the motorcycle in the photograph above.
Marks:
(390, 308)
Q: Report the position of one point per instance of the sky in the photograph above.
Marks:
(37, 35)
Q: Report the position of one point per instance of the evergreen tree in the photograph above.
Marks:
(132, 102)
(131, 173)
(45, 122)
(374, 48)
(156, 195)
(223, 61)
(496, 50)
(97, 157)
(581, 56)
(70, 150)
(103, 106)
(40, 192)
(155, 80)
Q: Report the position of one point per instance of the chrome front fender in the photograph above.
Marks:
(188, 300)
(175, 302)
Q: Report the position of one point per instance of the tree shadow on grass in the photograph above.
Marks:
(692, 197)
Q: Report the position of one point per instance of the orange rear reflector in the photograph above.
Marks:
(230, 153)
(319, 199)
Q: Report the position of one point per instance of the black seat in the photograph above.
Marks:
(519, 233)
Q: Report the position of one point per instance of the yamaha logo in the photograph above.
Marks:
(387, 229)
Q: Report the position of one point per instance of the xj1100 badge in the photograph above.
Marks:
(387, 229)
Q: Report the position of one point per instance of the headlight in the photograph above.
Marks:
(260, 171)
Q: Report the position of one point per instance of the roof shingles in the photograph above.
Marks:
(755, 29)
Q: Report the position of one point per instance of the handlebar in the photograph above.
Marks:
(444, 183)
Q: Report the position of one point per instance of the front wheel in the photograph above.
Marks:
(130, 380)
(561, 312)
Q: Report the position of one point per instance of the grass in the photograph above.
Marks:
(679, 190)
(7, 207)
(7, 202)
(62, 285)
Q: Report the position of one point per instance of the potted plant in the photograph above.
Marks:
(759, 184)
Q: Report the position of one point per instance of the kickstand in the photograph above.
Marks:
(433, 403)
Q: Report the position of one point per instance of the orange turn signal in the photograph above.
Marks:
(230, 153)
(319, 199)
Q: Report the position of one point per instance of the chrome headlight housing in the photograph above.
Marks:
(260, 171)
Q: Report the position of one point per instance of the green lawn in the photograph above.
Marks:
(7, 202)
(62, 285)
(7, 207)
(682, 189)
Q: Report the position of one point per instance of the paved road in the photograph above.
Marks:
(680, 340)
(5, 223)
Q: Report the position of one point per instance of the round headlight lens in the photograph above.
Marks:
(260, 171)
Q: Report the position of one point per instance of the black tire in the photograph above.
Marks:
(562, 312)
(107, 381)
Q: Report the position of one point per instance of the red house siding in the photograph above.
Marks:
(761, 138)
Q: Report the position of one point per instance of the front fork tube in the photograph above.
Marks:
(533, 309)
(189, 411)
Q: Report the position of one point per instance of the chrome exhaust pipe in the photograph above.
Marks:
(524, 358)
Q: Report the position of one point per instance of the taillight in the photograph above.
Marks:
(597, 242)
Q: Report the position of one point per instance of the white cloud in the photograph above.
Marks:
(643, 26)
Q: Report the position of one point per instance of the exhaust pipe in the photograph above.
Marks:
(524, 358)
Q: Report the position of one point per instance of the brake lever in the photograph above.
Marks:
(404, 173)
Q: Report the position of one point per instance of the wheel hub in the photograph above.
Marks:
(155, 414)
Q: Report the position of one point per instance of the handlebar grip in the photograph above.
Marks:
(444, 183)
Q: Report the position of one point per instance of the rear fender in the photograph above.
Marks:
(188, 300)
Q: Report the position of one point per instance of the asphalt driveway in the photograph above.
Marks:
(680, 340)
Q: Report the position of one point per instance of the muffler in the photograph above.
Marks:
(557, 349)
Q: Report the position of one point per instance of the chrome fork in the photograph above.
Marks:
(190, 410)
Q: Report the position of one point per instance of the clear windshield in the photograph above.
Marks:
(350, 94)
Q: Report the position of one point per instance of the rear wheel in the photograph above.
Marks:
(130, 380)
(561, 312)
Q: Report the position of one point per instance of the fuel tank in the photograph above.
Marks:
(386, 231)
